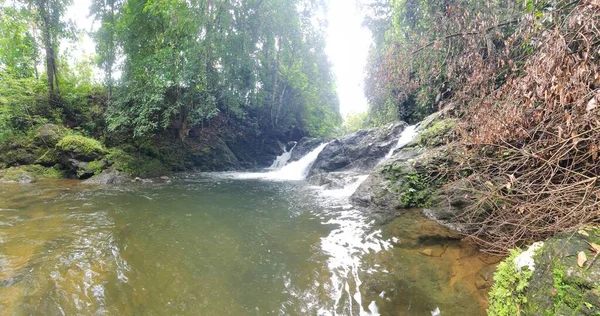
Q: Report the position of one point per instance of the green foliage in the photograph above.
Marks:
(416, 191)
(18, 55)
(354, 121)
(507, 295)
(80, 146)
(267, 62)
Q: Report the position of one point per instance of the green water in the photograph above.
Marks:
(199, 245)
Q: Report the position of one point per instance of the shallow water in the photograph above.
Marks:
(205, 244)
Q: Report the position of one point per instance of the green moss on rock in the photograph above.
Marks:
(558, 286)
(507, 295)
(437, 134)
(142, 166)
(81, 147)
(30, 173)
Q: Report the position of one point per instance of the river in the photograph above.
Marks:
(223, 244)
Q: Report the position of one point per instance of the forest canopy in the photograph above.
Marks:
(168, 65)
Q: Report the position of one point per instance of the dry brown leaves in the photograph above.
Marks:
(531, 144)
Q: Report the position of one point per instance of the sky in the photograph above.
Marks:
(347, 47)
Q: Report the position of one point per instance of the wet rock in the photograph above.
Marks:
(290, 145)
(108, 177)
(359, 152)
(305, 146)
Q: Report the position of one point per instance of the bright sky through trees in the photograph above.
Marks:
(348, 47)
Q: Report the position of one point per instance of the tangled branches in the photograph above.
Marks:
(531, 144)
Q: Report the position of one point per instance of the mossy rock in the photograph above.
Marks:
(557, 286)
(29, 173)
(438, 133)
(81, 147)
(48, 135)
(48, 158)
(135, 165)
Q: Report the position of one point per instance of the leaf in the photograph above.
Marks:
(594, 247)
(583, 232)
(581, 259)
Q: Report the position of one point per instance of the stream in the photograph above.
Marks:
(263, 243)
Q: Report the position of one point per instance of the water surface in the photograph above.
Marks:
(206, 244)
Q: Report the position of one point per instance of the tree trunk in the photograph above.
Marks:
(276, 80)
(280, 105)
(51, 71)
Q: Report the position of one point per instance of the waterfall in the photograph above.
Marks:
(297, 170)
(282, 160)
(405, 137)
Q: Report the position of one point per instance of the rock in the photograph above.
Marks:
(108, 177)
(290, 145)
(426, 252)
(304, 146)
(48, 135)
(81, 148)
(29, 173)
(165, 178)
(358, 152)
(557, 286)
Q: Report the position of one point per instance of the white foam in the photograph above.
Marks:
(525, 259)
(297, 170)
(407, 135)
(282, 160)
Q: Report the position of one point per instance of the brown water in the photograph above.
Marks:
(205, 245)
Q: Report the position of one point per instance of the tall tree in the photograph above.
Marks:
(52, 28)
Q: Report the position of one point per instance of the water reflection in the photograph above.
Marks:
(211, 246)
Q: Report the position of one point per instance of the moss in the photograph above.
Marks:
(33, 172)
(437, 134)
(97, 166)
(416, 191)
(507, 295)
(49, 157)
(81, 146)
(140, 165)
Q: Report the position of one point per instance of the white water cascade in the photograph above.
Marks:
(297, 170)
(282, 160)
(353, 237)
(405, 137)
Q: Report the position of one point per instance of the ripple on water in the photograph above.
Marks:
(222, 247)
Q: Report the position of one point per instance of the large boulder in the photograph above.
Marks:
(359, 152)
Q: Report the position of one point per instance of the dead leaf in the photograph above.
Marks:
(594, 246)
(592, 104)
(584, 233)
(581, 259)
